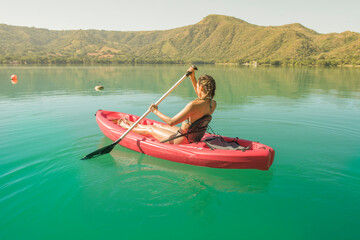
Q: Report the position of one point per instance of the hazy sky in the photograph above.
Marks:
(323, 16)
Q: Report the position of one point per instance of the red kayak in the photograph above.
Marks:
(258, 156)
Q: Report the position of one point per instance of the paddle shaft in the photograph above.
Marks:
(110, 147)
(157, 103)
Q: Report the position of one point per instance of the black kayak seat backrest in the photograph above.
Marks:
(196, 130)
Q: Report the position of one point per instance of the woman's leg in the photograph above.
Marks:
(158, 133)
(163, 126)
(167, 127)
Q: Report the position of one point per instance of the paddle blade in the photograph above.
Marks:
(100, 151)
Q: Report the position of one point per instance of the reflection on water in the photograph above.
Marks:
(223, 180)
(235, 85)
(152, 182)
(148, 182)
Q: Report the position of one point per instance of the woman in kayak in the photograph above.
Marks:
(202, 106)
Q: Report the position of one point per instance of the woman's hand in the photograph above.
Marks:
(153, 108)
(192, 71)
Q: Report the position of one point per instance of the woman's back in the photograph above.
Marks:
(199, 108)
(202, 107)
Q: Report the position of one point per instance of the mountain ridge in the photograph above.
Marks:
(215, 39)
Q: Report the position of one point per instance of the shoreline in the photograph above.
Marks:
(147, 63)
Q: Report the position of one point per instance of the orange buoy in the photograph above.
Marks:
(14, 79)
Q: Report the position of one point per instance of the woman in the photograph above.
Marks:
(195, 110)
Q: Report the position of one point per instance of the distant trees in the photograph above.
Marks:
(49, 59)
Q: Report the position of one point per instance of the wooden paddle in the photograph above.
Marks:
(110, 147)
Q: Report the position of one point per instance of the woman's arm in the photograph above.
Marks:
(193, 78)
(178, 118)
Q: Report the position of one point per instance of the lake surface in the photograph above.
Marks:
(310, 116)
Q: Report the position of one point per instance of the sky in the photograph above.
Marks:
(323, 16)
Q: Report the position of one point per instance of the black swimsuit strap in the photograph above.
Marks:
(210, 102)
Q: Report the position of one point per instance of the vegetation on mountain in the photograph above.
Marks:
(215, 39)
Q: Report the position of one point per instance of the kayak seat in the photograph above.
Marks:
(196, 130)
(218, 142)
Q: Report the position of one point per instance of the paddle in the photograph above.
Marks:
(110, 147)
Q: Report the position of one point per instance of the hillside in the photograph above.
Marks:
(215, 39)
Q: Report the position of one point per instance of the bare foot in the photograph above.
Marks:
(122, 124)
(128, 122)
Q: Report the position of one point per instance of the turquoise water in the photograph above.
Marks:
(310, 116)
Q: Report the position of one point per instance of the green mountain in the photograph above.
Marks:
(215, 39)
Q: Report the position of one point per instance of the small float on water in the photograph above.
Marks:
(14, 79)
(99, 87)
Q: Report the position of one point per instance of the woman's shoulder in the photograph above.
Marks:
(197, 102)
